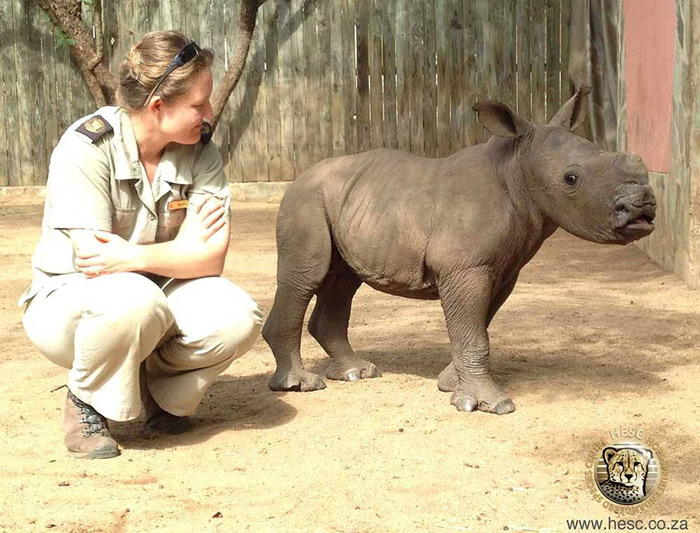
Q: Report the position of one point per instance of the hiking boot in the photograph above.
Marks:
(86, 431)
(157, 419)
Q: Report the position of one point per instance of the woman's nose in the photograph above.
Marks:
(208, 112)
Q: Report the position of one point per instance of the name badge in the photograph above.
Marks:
(178, 204)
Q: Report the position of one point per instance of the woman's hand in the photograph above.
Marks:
(207, 218)
(107, 254)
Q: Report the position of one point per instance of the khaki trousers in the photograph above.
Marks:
(103, 328)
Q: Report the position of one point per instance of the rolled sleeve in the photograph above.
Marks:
(208, 179)
(77, 189)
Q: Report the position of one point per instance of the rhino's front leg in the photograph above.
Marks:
(466, 298)
(448, 379)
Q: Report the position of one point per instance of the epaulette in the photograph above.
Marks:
(206, 133)
(94, 128)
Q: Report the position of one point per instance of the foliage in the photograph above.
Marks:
(63, 39)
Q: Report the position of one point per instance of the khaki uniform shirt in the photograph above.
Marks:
(101, 184)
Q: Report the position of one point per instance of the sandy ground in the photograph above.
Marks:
(593, 338)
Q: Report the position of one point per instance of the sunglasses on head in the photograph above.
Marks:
(184, 56)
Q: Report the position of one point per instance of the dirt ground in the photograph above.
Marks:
(593, 338)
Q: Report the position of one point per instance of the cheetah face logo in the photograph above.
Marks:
(627, 466)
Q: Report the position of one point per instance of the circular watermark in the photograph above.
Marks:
(625, 470)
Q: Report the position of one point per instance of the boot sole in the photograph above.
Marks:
(98, 454)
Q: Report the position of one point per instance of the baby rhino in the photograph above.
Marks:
(457, 229)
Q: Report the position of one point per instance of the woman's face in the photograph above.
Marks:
(182, 117)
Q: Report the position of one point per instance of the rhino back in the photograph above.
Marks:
(384, 207)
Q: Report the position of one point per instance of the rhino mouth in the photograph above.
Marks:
(631, 218)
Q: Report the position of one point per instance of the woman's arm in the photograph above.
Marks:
(198, 250)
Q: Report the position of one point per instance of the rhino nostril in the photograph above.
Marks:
(619, 207)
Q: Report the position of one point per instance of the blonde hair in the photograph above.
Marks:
(148, 60)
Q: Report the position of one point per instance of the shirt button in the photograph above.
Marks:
(152, 217)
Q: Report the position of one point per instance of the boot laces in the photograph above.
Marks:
(94, 422)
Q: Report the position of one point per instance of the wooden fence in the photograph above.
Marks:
(323, 77)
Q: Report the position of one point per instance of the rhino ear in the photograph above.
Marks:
(500, 120)
(572, 113)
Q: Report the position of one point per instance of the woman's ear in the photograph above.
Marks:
(155, 106)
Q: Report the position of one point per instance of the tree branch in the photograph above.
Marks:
(246, 26)
(67, 15)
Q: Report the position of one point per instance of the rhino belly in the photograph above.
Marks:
(388, 255)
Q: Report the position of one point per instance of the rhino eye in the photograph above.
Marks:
(570, 179)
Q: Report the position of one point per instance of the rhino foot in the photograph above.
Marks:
(448, 381)
(352, 369)
(484, 396)
(297, 381)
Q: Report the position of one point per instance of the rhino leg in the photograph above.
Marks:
(466, 300)
(329, 324)
(304, 253)
(448, 379)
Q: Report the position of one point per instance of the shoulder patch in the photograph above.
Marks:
(94, 128)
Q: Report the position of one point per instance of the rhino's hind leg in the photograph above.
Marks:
(329, 324)
(304, 253)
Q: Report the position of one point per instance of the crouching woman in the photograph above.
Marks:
(126, 292)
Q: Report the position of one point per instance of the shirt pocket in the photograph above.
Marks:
(124, 221)
(169, 222)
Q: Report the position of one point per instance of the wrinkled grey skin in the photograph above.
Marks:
(458, 229)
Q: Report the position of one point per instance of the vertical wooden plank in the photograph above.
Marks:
(508, 71)
(301, 153)
(389, 73)
(430, 87)
(285, 20)
(174, 10)
(537, 60)
(163, 16)
(205, 23)
(495, 50)
(338, 80)
(457, 81)
(218, 44)
(192, 19)
(40, 110)
(24, 127)
(403, 75)
(472, 131)
(349, 69)
(313, 75)
(363, 98)
(140, 19)
(445, 62)
(111, 36)
(6, 93)
(483, 57)
(523, 40)
(233, 112)
(256, 93)
(415, 77)
(376, 94)
(566, 87)
(62, 55)
(244, 117)
(553, 63)
(324, 55)
(272, 80)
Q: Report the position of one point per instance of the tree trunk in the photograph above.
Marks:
(66, 15)
(246, 25)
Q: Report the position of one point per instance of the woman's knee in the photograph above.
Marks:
(128, 298)
(226, 325)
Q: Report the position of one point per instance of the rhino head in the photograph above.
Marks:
(597, 195)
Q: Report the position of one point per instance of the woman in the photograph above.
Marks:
(126, 290)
